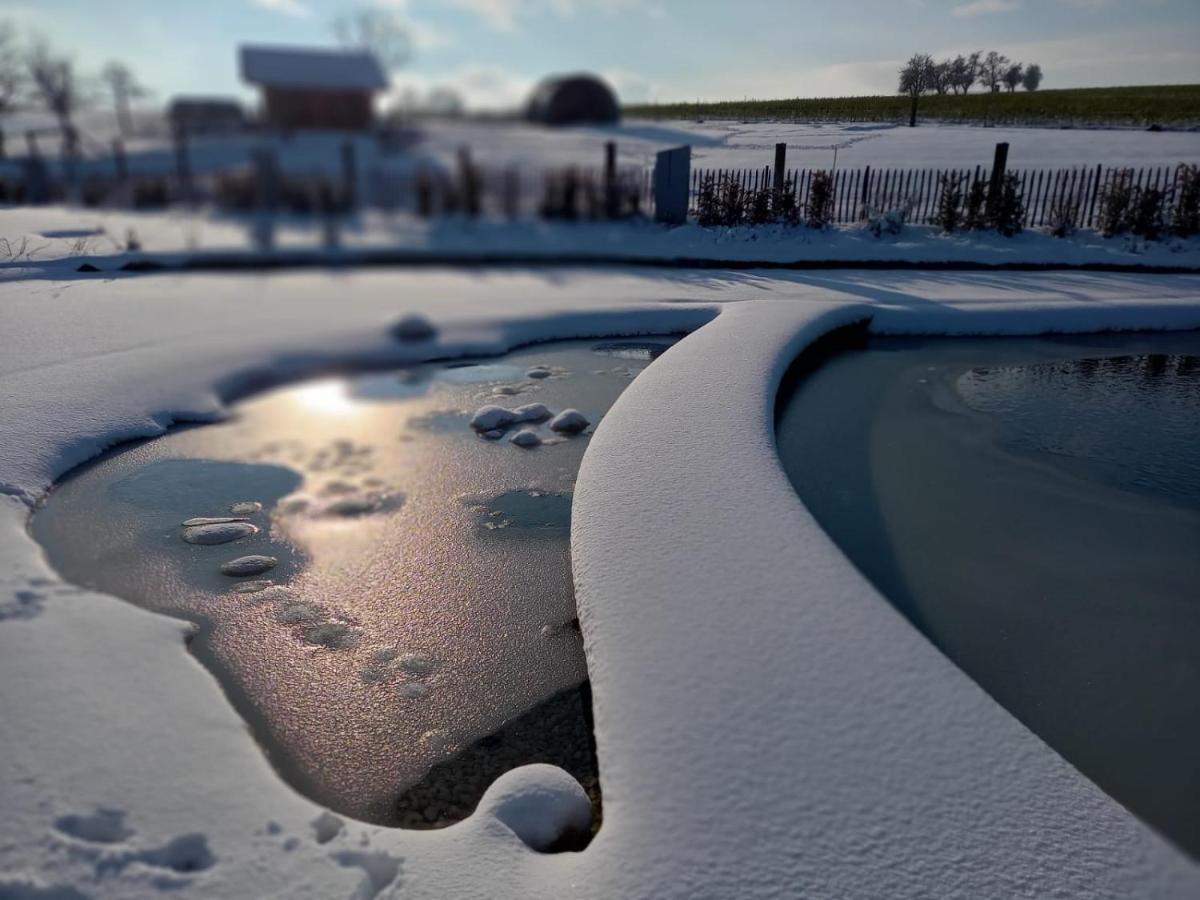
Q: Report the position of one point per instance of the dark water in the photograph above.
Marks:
(1033, 506)
(406, 629)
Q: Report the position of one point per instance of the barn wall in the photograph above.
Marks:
(299, 108)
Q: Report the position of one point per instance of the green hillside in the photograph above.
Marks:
(1168, 105)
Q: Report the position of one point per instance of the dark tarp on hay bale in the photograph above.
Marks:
(573, 99)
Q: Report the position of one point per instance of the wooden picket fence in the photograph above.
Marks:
(858, 191)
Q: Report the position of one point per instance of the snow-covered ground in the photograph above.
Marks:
(715, 144)
(732, 144)
(767, 724)
(58, 238)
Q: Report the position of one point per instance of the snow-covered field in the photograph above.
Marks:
(748, 145)
(767, 724)
(715, 144)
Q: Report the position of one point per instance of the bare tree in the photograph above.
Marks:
(12, 75)
(992, 69)
(55, 84)
(1013, 76)
(125, 88)
(1033, 77)
(941, 77)
(378, 31)
(915, 79)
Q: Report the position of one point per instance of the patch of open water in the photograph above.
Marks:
(1033, 506)
(384, 592)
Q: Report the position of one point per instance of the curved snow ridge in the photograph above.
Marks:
(746, 678)
(94, 402)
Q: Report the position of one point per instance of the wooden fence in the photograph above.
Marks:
(858, 191)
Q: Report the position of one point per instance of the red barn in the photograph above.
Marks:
(306, 87)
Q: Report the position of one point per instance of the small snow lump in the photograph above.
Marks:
(569, 421)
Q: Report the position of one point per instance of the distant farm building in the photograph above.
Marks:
(573, 100)
(206, 115)
(314, 87)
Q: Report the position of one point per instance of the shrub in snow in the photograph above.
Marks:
(819, 212)
(975, 216)
(526, 437)
(890, 221)
(950, 201)
(1186, 220)
(1007, 211)
(786, 209)
(731, 203)
(759, 210)
(1064, 216)
(1148, 217)
(569, 421)
(491, 417)
(707, 210)
(413, 328)
(1116, 201)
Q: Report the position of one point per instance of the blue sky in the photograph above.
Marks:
(493, 50)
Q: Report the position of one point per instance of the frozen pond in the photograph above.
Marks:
(384, 592)
(1033, 506)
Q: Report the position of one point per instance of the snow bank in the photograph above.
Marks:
(766, 724)
(171, 238)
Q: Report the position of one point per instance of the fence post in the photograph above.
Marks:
(671, 176)
(999, 163)
(349, 175)
(780, 168)
(183, 168)
(866, 192)
(120, 164)
(1095, 193)
(610, 180)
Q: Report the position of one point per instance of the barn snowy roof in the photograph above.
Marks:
(312, 67)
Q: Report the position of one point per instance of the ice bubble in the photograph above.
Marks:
(416, 663)
(211, 520)
(569, 421)
(494, 435)
(412, 690)
(413, 328)
(382, 655)
(299, 612)
(246, 507)
(333, 635)
(538, 372)
(251, 587)
(490, 417)
(218, 533)
(531, 412)
(248, 565)
(506, 390)
(526, 437)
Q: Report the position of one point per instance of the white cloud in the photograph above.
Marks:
(293, 8)
(481, 87)
(984, 8)
(502, 15)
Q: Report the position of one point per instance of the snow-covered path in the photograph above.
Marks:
(767, 724)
